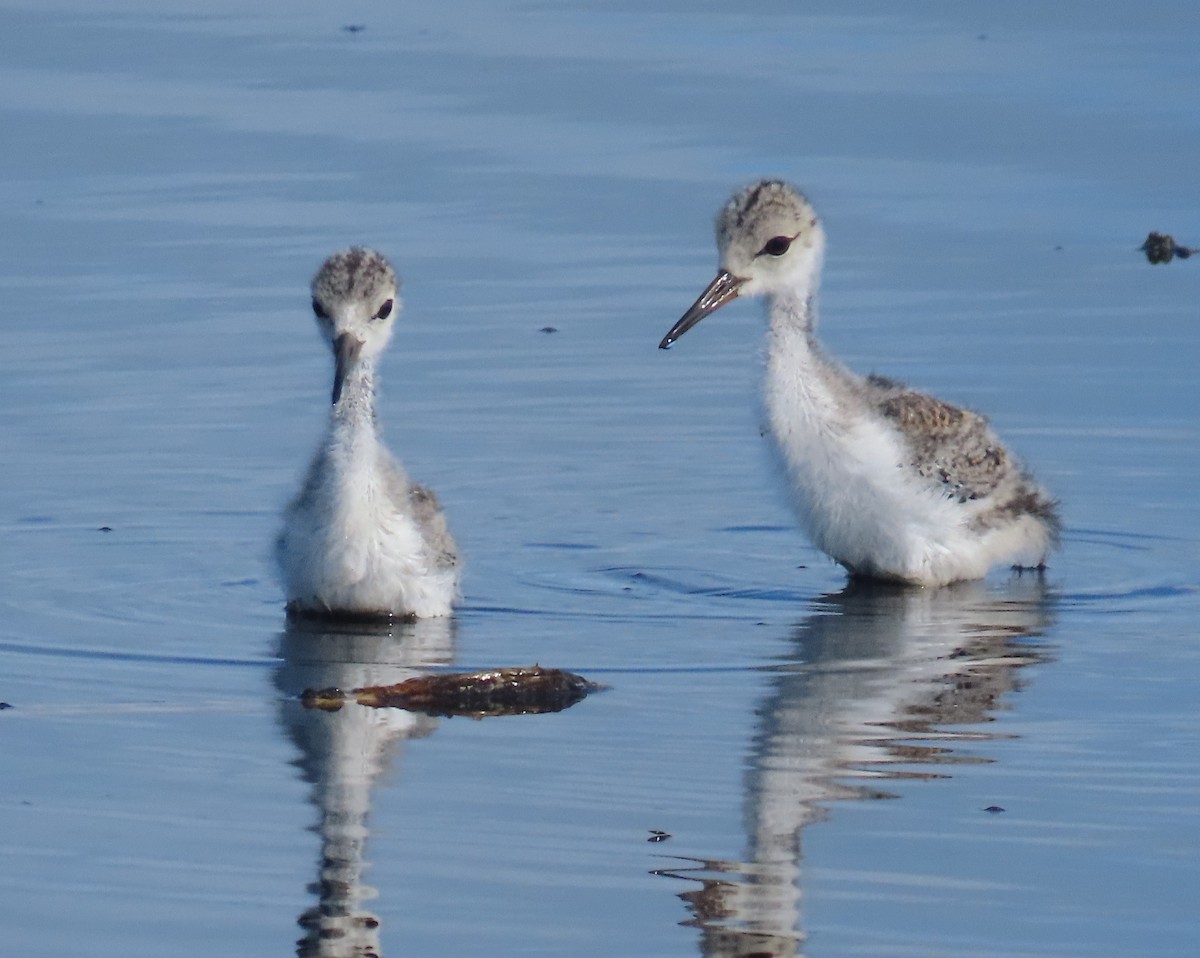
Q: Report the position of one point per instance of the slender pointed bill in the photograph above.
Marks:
(345, 354)
(720, 291)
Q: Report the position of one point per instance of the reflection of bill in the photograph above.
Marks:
(876, 673)
(343, 752)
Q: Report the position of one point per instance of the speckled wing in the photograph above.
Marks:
(949, 446)
(422, 504)
(431, 518)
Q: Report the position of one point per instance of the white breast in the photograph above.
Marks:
(851, 486)
(351, 546)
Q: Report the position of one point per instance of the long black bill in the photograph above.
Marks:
(720, 291)
(345, 354)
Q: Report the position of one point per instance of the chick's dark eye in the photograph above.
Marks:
(776, 246)
(318, 309)
(384, 311)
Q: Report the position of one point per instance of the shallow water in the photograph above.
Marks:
(173, 174)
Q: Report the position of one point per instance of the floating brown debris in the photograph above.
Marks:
(327, 700)
(516, 691)
(1162, 248)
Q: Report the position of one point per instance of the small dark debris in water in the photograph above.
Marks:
(5, 705)
(516, 691)
(982, 36)
(994, 809)
(105, 529)
(658, 835)
(354, 27)
(548, 329)
(1162, 248)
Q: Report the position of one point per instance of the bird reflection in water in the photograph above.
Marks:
(876, 675)
(343, 752)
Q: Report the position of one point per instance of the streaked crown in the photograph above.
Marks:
(765, 232)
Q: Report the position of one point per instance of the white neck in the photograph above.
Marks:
(794, 310)
(798, 391)
(794, 358)
(794, 304)
(805, 392)
(355, 408)
(352, 436)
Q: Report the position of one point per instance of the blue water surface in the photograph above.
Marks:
(1006, 768)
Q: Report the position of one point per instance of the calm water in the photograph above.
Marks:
(821, 761)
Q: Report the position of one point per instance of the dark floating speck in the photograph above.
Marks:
(105, 529)
(5, 705)
(1162, 248)
(354, 27)
(658, 835)
(548, 329)
(994, 809)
